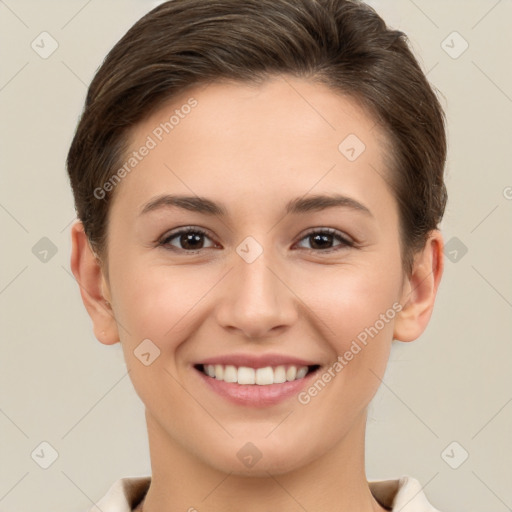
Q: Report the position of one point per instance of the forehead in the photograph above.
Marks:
(308, 110)
(283, 135)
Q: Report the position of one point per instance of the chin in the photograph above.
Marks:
(259, 458)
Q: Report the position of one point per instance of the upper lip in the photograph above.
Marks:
(257, 361)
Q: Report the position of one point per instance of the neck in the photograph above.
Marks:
(333, 482)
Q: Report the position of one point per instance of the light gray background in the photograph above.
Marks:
(61, 386)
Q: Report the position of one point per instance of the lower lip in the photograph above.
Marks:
(253, 394)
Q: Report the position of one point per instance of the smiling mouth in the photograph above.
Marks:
(256, 376)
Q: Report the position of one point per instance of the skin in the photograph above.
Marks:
(253, 148)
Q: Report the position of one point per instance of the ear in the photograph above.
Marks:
(94, 288)
(420, 289)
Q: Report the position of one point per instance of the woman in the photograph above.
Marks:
(259, 186)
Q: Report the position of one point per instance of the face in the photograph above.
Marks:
(286, 254)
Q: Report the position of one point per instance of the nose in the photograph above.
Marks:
(256, 300)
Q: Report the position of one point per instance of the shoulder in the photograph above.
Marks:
(404, 494)
(123, 495)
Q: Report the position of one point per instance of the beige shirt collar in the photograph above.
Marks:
(401, 495)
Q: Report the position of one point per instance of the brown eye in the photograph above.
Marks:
(190, 239)
(325, 240)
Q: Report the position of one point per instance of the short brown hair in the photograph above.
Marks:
(341, 43)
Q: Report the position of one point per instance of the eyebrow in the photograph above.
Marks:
(295, 206)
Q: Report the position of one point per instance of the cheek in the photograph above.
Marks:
(356, 310)
(357, 307)
(156, 301)
(350, 301)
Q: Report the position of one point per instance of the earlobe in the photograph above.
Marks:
(94, 288)
(420, 290)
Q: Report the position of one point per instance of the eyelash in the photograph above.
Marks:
(344, 242)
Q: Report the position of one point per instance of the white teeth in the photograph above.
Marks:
(291, 373)
(279, 375)
(230, 374)
(260, 376)
(246, 375)
(218, 370)
(264, 376)
(301, 372)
